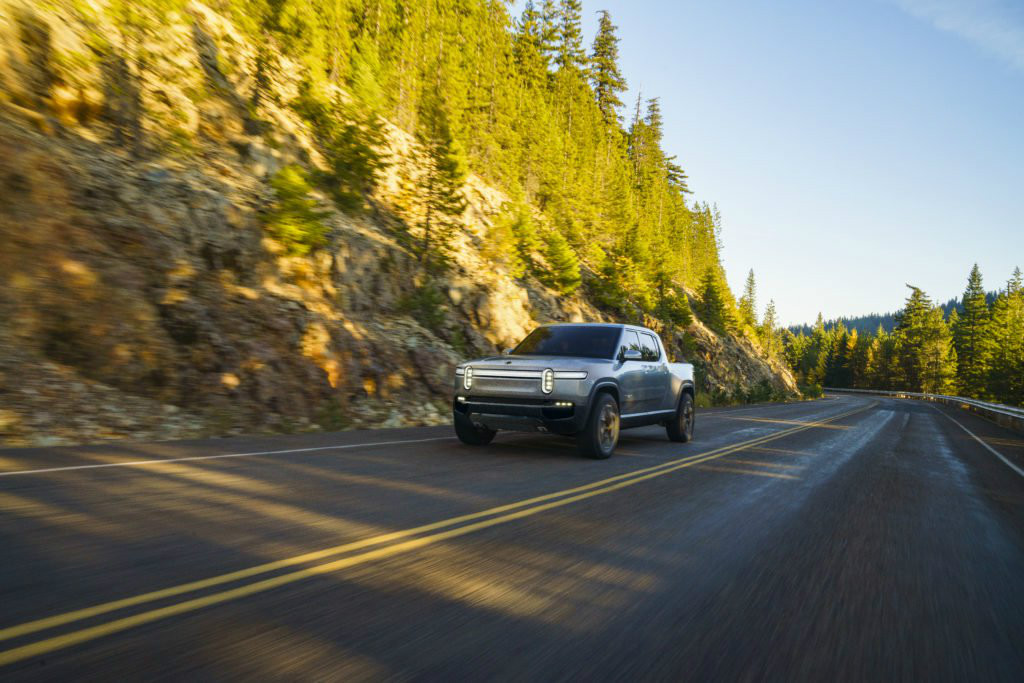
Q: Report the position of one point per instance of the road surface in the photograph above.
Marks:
(852, 538)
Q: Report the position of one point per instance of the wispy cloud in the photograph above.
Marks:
(996, 26)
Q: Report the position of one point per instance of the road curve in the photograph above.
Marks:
(851, 538)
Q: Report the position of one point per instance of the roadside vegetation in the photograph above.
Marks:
(976, 350)
(519, 101)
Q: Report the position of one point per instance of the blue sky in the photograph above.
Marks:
(851, 147)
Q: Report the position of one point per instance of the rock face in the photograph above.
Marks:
(140, 296)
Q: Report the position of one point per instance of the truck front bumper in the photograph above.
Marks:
(523, 414)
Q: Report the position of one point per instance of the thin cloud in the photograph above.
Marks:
(996, 26)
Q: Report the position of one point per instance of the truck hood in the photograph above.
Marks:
(534, 362)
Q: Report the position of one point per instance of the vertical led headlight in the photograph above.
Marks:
(467, 377)
(547, 381)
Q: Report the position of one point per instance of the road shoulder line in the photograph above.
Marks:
(162, 461)
(977, 438)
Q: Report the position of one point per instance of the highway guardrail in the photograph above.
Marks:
(1006, 416)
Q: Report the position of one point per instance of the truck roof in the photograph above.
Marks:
(618, 325)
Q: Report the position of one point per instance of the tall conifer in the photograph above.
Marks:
(973, 338)
(442, 185)
(569, 51)
(605, 77)
(748, 302)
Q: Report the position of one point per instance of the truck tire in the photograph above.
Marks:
(680, 427)
(469, 433)
(601, 432)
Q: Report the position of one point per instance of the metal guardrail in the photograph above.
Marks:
(1006, 416)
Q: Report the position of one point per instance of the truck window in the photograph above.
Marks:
(630, 340)
(584, 341)
(649, 347)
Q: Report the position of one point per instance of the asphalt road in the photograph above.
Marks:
(852, 538)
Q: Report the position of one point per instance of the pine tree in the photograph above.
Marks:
(564, 273)
(973, 339)
(883, 369)
(768, 331)
(672, 306)
(442, 184)
(748, 302)
(605, 76)
(910, 329)
(529, 49)
(837, 365)
(549, 18)
(294, 219)
(815, 359)
(714, 310)
(861, 343)
(927, 356)
(938, 357)
(569, 51)
(1006, 374)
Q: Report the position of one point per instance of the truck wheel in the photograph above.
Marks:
(680, 427)
(601, 433)
(469, 433)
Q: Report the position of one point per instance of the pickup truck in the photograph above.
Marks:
(576, 379)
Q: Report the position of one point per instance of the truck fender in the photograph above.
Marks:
(605, 384)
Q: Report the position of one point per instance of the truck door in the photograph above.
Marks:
(656, 375)
(632, 376)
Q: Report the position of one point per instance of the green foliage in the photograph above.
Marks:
(293, 220)
(768, 332)
(748, 302)
(672, 307)
(569, 51)
(976, 353)
(714, 309)
(703, 400)
(351, 140)
(973, 337)
(1006, 374)
(512, 241)
(762, 392)
(516, 101)
(811, 390)
(426, 304)
(605, 77)
(927, 355)
(563, 266)
(332, 416)
(441, 191)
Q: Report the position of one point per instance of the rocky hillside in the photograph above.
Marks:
(142, 296)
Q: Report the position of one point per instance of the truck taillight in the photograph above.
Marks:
(547, 381)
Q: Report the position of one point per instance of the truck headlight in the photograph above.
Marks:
(547, 381)
(467, 378)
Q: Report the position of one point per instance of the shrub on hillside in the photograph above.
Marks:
(293, 220)
(563, 265)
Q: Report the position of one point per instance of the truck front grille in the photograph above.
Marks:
(506, 386)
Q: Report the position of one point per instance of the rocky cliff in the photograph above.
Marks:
(140, 293)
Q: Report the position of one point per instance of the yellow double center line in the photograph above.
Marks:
(400, 542)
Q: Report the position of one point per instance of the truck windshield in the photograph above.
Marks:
(579, 342)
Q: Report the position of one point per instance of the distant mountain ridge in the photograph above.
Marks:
(871, 321)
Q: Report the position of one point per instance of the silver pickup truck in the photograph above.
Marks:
(583, 380)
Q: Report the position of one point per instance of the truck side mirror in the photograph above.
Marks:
(632, 354)
(507, 352)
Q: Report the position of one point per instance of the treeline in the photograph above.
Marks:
(521, 101)
(887, 321)
(976, 351)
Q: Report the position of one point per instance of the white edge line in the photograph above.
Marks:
(159, 461)
(979, 440)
